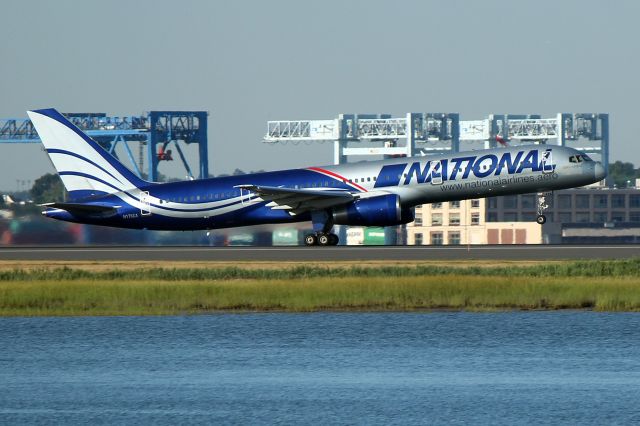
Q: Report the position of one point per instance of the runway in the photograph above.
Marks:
(319, 254)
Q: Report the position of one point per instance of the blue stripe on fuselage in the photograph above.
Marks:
(390, 175)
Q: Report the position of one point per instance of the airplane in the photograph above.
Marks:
(102, 191)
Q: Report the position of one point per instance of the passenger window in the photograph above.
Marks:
(368, 179)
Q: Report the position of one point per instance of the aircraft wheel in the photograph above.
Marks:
(324, 239)
(310, 240)
(333, 239)
(541, 219)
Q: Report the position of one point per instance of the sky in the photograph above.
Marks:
(247, 62)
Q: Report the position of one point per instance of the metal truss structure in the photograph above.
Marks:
(588, 132)
(370, 134)
(422, 133)
(158, 132)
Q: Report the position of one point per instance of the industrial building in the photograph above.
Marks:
(594, 214)
(464, 222)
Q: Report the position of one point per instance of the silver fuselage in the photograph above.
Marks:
(472, 174)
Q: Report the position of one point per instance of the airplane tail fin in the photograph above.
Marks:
(85, 167)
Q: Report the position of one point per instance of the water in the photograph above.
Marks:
(395, 368)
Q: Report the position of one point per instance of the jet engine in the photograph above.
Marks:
(384, 210)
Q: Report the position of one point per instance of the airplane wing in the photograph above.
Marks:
(82, 208)
(299, 200)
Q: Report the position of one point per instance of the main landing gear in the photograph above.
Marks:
(322, 224)
(541, 219)
(321, 239)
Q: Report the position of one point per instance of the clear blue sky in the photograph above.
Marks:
(250, 61)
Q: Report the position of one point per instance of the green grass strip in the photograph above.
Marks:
(454, 292)
(598, 268)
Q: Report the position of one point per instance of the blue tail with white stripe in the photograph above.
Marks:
(86, 169)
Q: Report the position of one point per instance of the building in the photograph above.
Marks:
(582, 205)
(464, 222)
(594, 214)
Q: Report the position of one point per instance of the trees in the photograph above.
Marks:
(620, 173)
(48, 188)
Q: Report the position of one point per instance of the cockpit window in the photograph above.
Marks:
(579, 158)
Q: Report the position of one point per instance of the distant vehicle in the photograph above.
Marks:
(378, 193)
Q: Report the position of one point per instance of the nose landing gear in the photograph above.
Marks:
(541, 219)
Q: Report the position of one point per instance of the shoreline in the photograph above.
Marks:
(327, 311)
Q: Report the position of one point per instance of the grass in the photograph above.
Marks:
(599, 285)
(601, 268)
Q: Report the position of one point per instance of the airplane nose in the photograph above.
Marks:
(599, 172)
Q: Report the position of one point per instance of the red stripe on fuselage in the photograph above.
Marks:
(337, 176)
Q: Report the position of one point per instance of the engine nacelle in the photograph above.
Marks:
(384, 210)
